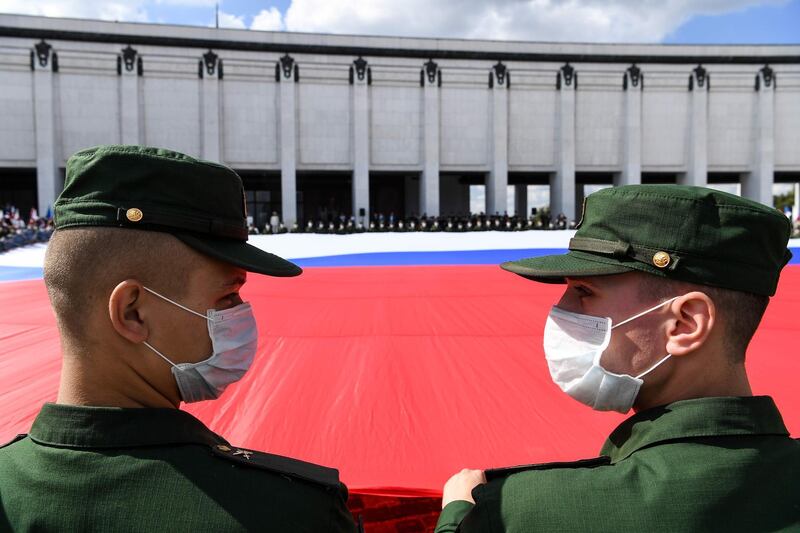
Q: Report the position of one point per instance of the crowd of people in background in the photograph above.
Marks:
(380, 222)
(539, 219)
(18, 230)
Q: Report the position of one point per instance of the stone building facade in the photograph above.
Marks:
(322, 125)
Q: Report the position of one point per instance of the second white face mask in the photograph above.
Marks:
(234, 338)
(573, 346)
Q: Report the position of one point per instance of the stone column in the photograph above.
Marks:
(521, 201)
(286, 73)
(129, 68)
(44, 62)
(632, 84)
(697, 167)
(210, 71)
(758, 185)
(562, 183)
(360, 76)
(430, 79)
(497, 183)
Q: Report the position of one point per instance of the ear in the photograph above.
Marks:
(124, 310)
(693, 318)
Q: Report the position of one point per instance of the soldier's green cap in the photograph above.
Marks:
(692, 234)
(200, 202)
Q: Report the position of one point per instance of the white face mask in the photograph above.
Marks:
(234, 338)
(573, 345)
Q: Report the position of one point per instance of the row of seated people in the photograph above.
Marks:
(381, 223)
(16, 231)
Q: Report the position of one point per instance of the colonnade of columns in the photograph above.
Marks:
(563, 197)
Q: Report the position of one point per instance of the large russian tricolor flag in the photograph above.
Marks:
(397, 358)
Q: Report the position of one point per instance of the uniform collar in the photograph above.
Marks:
(701, 417)
(117, 427)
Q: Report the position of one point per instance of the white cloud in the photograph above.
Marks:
(226, 20)
(268, 20)
(530, 20)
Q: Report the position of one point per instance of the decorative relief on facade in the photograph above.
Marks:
(43, 53)
(43, 50)
(288, 66)
(430, 70)
(361, 67)
(634, 76)
(566, 75)
(360, 70)
(210, 65)
(500, 75)
(700, 74)
(131, 60)
(768, 74)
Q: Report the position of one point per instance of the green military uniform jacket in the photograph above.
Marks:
(110, 469)
(710, 464)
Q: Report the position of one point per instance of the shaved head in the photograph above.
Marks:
(83, 265)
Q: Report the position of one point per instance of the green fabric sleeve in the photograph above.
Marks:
(452, 515)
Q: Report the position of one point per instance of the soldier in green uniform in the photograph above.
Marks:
(143, 274)
(665, 286)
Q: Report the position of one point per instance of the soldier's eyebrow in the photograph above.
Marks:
(239, 280)
(581, 281)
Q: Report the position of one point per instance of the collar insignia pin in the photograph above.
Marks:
(246, 454)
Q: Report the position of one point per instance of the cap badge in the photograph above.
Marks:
(223, 448)
(661, 259)
(134, 215)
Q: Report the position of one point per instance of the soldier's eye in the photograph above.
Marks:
(583, 290)
(231, 299)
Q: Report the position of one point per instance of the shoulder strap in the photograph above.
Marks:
(15, 439)
(321, 475)
(496, 473)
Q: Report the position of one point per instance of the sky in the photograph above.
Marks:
(640, 21)
(646, 21)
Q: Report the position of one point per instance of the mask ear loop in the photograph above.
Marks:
(175, 303)
(618, 324)
(643, 374)
(159, 354)
(634, 317)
